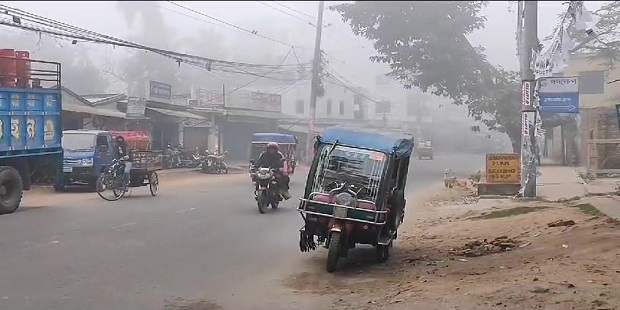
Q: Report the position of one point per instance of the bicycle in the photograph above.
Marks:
(113, 179)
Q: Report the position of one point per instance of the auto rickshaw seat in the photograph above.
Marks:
(366, 205)
(320, 197)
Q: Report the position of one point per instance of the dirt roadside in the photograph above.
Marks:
(442, 260)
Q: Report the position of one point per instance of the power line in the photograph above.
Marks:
(254, 32)
(287, 13)
(63, 30)
(294, 10)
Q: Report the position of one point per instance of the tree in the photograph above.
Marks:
(143, 66)
(425, 45)
(79, 73)
(604, 41)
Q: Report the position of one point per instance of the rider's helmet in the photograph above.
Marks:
(120, 139)
(272, 146)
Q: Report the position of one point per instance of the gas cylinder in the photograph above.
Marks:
(8, 70)
(22, 64)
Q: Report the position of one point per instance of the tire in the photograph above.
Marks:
(383, 252)
(261, 204)
(11, 190)
(274, 205)
(154, 183)
(61, 188)
(224, 168)
(105, 179)
(333, 252)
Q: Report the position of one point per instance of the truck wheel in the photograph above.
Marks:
(59, 188)
(11, 189)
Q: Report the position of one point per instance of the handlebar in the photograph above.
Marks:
(345, 186)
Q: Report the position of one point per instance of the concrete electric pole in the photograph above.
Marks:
(316, 64)
(529, 42)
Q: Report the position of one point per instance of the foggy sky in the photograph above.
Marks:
(348, 54)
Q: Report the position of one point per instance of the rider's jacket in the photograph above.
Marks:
(271, 160)
(123, 150)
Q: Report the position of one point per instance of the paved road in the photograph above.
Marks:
(200, 242)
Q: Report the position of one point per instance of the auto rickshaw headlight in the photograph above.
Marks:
(345, 199)
(86, 162)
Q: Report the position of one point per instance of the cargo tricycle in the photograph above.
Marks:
(355, 192)
(143, 171)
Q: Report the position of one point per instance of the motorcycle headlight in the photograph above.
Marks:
(86, 162)
(345, 199)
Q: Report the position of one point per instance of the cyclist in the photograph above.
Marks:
(123, 152)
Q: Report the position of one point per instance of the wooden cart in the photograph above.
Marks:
(144, 169)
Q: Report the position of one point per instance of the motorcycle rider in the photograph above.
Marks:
(273, 159)
(124, 153)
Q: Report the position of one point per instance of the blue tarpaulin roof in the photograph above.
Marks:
(273, 137)
(387, 142)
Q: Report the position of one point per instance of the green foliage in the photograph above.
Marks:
(425, 45)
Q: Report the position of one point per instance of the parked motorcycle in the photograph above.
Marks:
(266, 190)
(171, 157)
(214, 163)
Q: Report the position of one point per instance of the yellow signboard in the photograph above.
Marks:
(504, 168)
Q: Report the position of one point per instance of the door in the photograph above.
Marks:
(103, 152)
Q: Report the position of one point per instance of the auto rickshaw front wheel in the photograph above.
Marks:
(333, 252)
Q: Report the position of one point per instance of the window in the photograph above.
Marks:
(411, 109)
(299, 107)
(329, 107)
(382, 107)
(102, 140)
(341, 107)
(591, 82)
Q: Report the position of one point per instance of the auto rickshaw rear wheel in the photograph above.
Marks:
(333, 252)
(383, 252)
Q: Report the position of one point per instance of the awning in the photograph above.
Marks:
(174, 113)
(79, 108)
(254, 113)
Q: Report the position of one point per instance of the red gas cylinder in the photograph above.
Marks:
(8, 70)
(22, 65)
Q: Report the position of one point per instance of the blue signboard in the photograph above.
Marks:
(159, 90)
(559, 95)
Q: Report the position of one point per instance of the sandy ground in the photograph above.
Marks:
(565, 267)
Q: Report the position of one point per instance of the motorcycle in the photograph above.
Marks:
(171, 157)
(214, 163)
(188, 158)
(266, 190)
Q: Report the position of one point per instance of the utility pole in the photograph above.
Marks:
(219, 126)
(528, 42)
(316, 63)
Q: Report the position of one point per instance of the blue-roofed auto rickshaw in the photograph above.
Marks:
(286, 143)
(355, 192)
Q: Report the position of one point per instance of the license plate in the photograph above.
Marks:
(340, 212)
(67, 169)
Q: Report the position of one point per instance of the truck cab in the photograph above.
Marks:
(87, 154)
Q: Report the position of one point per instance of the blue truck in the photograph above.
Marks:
(30, 129)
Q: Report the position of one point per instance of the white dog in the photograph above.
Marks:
(448, 181)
